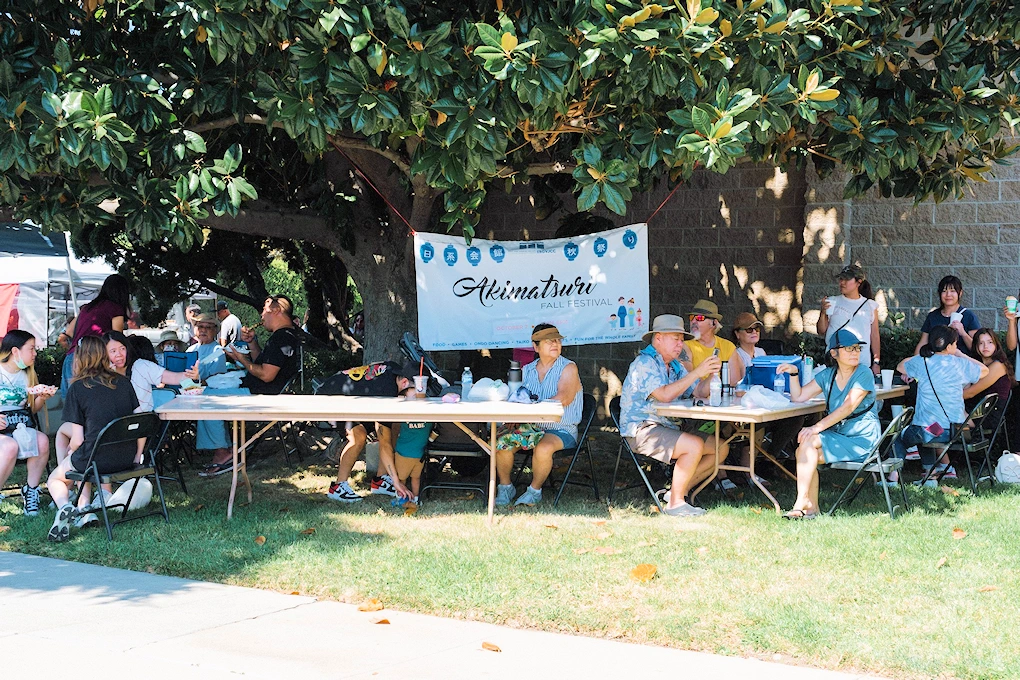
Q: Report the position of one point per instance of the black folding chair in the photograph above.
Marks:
(969, 439)
(167, 452)
(127, 429)
(614, 412)
(465, 457)
(996, 425)
(878, 462)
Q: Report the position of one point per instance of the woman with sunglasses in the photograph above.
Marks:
(850, 427)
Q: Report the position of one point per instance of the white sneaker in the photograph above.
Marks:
(61, 529)
(383, 485)
(726, 484)
(529, 497)
(342, 492)
(91, 519)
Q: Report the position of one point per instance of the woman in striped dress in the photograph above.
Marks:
(550, 376)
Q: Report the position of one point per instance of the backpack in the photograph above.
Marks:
(1008, 469)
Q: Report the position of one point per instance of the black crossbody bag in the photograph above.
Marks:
(954, 428)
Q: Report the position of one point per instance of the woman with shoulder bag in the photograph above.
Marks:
(21, 395)
(855, 310)
(942, 372)
(850, 427)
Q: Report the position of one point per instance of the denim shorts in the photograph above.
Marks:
(569, 441)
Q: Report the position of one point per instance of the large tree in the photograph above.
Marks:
(334, 121)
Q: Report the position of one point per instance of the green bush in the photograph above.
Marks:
(897, 344)
(48, 364)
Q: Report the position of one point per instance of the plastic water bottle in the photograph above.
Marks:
(715, 390)
(809, 370)
(779, 384)
(467, 381)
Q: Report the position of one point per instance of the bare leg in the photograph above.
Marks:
(356, 439)
(809, 453)
(37, 465)
(505, 464)
(542, 459)
(58, 484)
(8, 457)
(688, 455)
(63, 440)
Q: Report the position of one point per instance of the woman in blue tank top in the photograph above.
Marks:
(550, 376)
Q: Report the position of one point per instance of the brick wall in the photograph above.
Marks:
(905, 249)
(736, 239)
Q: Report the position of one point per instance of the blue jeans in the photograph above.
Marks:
(916, 435)
(65, 375)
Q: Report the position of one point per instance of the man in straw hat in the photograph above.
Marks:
(705, 323)
(656, 376)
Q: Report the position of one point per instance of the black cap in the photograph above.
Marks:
(408, 370)
(222, 304)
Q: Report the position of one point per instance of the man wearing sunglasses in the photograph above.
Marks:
(705, 323)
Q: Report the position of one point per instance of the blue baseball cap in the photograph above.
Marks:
(844, 338)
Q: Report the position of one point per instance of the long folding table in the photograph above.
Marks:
(298, 408)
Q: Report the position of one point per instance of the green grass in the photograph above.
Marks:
(857, 592)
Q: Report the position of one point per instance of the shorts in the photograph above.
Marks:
(655, 441)
(369, 427)
(408, 467)
(569, 440)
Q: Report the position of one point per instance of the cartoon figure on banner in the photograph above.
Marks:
(497, 253)
(639, 316)
(612, 321)
(571, 251)
(427, 252)
(629, 239)
(474, 256)
(601, 246)
(450, 255)
(621, 313)
(630, 313)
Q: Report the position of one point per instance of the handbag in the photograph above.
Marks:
(954, 428)
(15, 417)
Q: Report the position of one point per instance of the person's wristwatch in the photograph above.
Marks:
(876, 361)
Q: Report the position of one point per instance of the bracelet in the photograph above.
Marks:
(793, 373)
(875, 361)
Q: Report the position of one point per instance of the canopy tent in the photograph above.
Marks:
(36, 271)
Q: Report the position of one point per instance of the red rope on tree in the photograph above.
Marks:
(664, 202)
(381, 195)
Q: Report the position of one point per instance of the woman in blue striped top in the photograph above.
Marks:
(549, 377)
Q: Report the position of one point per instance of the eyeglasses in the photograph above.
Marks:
(853, 349)
(752, 329)
(698, 317)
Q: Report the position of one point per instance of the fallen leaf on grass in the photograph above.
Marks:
(959, 533)
(606, 550)
(756, 511)
(643, 573)
(371, 605)
(284, 509)
(381, 621)
(987, 589)
(602, 535)
(653, 509)
(882, 556)
(646, 544)
(550, 526)
(703, 550)
(950, 491)
(488, 646)
(199, 507)
(410, 509)
(581, 551)
(260, 540)
(941, 563)
(4, 528)
(309, 531)
(599, 522)
(295, 592)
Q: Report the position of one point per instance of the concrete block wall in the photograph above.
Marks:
(735, 238)
(906, 249)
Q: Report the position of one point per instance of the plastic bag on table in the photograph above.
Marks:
(760, 397)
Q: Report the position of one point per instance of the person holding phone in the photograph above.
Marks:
(950, 313)
(942, 371)
(855, 310)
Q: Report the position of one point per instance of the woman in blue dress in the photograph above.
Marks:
(850, 428)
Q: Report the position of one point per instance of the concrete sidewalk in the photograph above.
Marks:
(141, 625)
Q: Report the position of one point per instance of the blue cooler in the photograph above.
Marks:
(178, 362)
(763, 371)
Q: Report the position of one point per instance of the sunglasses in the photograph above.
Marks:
(750, 329)
(698, 317)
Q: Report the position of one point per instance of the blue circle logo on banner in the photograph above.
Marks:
(571, 251)
(474, 256)
(497, 253)
(450, 255)
(427, 252)
(601, 246)
(629, 239)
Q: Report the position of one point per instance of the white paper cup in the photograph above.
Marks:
(1011, 303)
(955, 316)
(420, 385)
(897, 409)
(887, 377)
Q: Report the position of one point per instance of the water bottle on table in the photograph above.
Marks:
(779, 384)
(715, 385)
(466, 383)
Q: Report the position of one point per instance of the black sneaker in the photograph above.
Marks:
(31, 496)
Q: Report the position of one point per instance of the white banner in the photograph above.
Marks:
(489, 295)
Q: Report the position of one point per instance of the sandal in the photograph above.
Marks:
(217, 469)
(799, 514)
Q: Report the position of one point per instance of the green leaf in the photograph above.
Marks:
(360, 70)
(235, 194)
(613, 199)
(592, 154)
(702, 120)
(490, 36)
(245, 188)
(588, 197)
(397, 22)
(232, 159)
(51, 103)
(359, 42)
(194, 141)
(62, 55)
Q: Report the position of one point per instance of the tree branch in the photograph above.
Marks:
(223, 291)
(537, 169)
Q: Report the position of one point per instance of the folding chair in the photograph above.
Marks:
(614, 412)
(974, 443)
(454, 446)
(878, 462)
(587, 416)
(165, 452)
(996, 424)
(126, 429)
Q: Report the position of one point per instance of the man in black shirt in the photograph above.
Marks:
(270, 368)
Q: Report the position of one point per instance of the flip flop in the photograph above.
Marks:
(796, 514)
(217, 469)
